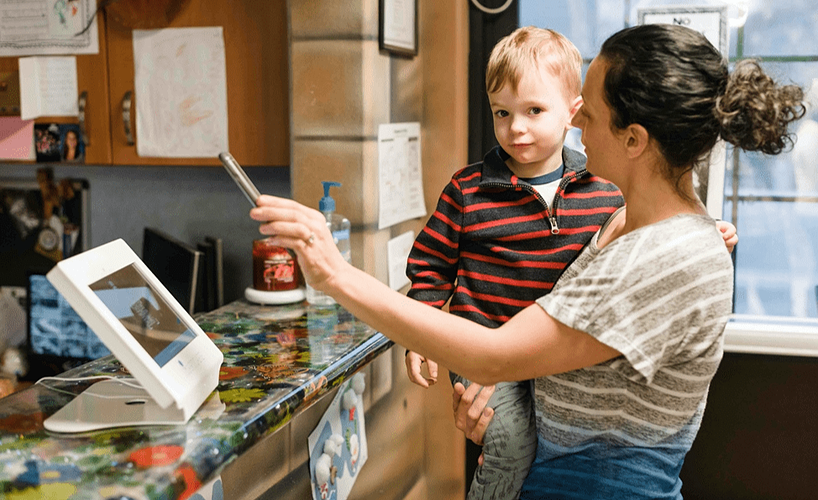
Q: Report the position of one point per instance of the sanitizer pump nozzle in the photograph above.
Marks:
(340, 227)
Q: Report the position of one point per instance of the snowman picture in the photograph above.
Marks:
(326, 464)
(338, 444)
(351, 407)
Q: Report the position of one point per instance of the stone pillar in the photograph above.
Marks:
(340, 93)
(342, 88)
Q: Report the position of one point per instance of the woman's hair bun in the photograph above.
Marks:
(755, 111)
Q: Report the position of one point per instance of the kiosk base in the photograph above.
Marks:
(111, 403)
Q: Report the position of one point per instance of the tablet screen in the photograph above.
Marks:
(144, 313)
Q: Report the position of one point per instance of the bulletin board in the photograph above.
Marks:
(30, 240)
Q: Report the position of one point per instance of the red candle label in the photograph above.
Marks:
(274, 268)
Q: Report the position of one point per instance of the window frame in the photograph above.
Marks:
(781, 335)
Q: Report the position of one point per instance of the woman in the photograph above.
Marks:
(71, 150)
(624, 347)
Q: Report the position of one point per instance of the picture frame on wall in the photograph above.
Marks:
(398, 32)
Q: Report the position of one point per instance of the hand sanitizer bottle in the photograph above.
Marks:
(339, 226)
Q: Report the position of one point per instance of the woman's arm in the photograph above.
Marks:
(530, 345)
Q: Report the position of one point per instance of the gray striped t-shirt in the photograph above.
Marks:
(660, 295)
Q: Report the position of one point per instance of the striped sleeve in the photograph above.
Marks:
(433, 261)
(659, 295)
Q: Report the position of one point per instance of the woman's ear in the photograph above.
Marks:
(635, 140)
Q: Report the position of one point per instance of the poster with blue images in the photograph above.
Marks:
(337, 446)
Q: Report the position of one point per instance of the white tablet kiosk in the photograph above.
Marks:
(148, 331)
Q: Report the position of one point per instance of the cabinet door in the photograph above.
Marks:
(93, 82)
(255, 39)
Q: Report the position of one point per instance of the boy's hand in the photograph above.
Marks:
(728, 232)
(414, 364)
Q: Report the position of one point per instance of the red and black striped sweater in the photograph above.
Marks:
(493, 246)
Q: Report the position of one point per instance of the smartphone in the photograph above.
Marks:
(237, 173)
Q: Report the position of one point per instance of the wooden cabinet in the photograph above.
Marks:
(255, 39)
(92, 82)
(256, 52)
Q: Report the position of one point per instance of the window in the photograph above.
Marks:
(772, 200)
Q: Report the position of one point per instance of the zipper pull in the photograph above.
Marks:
(555, 229)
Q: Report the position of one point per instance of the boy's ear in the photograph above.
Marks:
(635, 139)
(572, 110)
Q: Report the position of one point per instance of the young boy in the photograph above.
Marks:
(505, 228)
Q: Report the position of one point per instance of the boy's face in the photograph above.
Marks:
(530, 124)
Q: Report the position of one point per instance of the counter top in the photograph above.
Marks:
(278, 360)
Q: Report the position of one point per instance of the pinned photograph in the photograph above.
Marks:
(72, 149)
(47, 142)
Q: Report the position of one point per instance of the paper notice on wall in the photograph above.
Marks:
(399, 175)
(40, 27)
(397, 253)
(48, 87)
(181, 92)
(709, 20)
(16, 138)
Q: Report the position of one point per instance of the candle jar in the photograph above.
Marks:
(274, 268)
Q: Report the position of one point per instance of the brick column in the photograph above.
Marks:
(340, 93)
(342, 88)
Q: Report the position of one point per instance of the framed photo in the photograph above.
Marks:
(399, 26)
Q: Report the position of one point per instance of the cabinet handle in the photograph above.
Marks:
(81, 102)
(126, 116)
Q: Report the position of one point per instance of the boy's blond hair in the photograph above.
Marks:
(531, 47)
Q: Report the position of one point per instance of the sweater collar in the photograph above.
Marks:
(495, 169)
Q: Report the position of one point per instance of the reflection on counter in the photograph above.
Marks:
(277, 361)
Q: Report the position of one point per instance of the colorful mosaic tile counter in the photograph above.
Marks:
(277, 361)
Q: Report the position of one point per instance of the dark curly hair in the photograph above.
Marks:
(672, 81)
